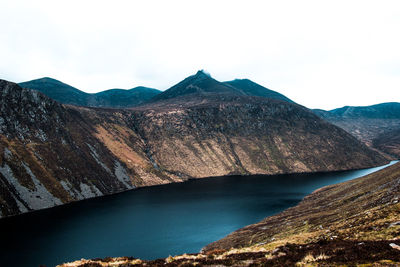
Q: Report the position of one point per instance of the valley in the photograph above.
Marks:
(55, 153)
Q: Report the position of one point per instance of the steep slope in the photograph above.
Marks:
(224, 135)
(367, 123)
(352, 222)
(113, 98)
(388, 142)
(66, 153)
(355, 223)
(51, 154)
(251, 88)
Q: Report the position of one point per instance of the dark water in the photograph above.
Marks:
(156, 221)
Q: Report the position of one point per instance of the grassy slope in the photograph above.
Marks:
(352, 223)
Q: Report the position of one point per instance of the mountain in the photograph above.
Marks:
(58, 91)
(389, 110)
(355, 223)
(121, 98)
(251, 88)
(200, 84)
(52, 153)
(368, 123)
(114, 98)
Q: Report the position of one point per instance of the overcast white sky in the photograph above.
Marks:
(322, 54)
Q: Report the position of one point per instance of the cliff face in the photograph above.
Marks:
(52, 154)
(246, 135)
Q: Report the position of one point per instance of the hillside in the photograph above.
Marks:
(113, 98)
(50, 154)
(53, 154)
(58, 91)
(251, 88)
(355, 223)
(368, 123)
(121, 98)
(388, 142)
(200, 84)
(245, 135)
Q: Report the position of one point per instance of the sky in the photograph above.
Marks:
(321, 54)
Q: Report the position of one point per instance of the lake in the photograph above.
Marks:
(154, 222)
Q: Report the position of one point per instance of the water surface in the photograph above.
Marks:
(154, 222)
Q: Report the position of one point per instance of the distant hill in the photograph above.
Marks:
(58, 91)
(251, 88)
(202, 85)
(121, 98)
(199, 85)
(390, 110)
(113, 98)
(375, 125)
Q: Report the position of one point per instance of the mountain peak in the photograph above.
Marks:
(199, 84)
(202, 72)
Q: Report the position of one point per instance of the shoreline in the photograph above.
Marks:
(189, 180)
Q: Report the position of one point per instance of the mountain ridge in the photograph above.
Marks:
(201, 86)
(111, 98)
(378, 125)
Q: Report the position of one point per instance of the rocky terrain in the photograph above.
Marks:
(52, 153)
(113, 98)
(355, 223)
(388, 142)
(378, 126)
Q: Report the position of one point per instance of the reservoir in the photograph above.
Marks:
(154, 222)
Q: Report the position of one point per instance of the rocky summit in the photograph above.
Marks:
(52, 153)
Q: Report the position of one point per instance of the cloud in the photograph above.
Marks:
(319, 53)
